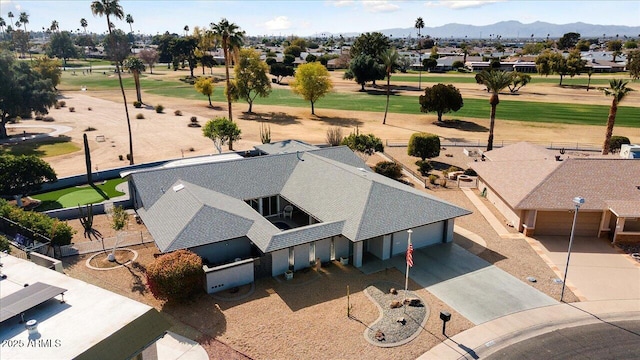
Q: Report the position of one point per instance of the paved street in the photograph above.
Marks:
(618, 340)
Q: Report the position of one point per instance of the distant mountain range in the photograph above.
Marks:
(516, 30)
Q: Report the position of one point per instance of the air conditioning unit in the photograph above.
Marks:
(630, 151)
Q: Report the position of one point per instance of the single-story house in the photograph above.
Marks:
(265, 215)
(533, 188)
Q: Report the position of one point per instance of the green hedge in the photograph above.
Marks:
(58, 231)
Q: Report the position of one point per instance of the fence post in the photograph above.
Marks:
(141, 238)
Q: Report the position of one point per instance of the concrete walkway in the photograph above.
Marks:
(175, 347)
(483, 340)
(57, 130)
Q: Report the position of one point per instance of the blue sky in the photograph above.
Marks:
(315, 17)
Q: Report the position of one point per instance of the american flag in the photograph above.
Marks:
(410, 255)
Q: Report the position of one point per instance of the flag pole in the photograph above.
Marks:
(406, 279)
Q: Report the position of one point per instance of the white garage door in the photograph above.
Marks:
(422, 236)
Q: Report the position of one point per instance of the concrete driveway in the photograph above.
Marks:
(473, 287)
(597, 271)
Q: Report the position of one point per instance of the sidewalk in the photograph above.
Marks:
(485, 339)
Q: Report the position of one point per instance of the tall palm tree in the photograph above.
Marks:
(136, 66)
(110, 8)
(618, 90)
(84, 24)
(10, 16)
(419, 25)
(495, 81)
(390, 60)
(54, 26)
(186, 30)
(231, 38)
(129, 20)
(2, 25)
(24, 20)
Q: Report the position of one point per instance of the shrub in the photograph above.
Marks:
(194, 119)
(137, 104)
(59, 232)
(56, 105)
(39, 116)
(192, 149)
(128, 156)
(72, 109)
(139, 116)
(453, 168)
(389, 169)
(175, 276)
(470, 172)
(62, 103)
(265, 133)
(120, 157)
(432, 179)
(89, 108)
(159, 109)
(424, 167)
(424, 145)
(177, 113)
(366, 144)
(616, 142)
(48, 119)
(4, 244)
(90, 128)
(334, 136)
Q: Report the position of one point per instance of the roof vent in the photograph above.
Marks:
(178, 187)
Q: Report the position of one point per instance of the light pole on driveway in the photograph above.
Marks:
(577, 201)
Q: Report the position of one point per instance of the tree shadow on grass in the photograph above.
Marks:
(99, 191)
(32, 146)
(339, 121)
(279, 118)
(461, 125)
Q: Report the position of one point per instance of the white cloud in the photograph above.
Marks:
(379, 6)
(461, 4)
(341, 3)
(278, 23)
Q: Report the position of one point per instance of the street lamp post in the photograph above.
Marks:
(577, 201)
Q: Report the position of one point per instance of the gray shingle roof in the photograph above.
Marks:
(331, 184)
(285, 146)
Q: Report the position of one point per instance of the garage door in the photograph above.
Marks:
(559, 223)
(422, 236)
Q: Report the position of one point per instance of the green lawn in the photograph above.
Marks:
(78, 195)
(356, 101)
(43, 149)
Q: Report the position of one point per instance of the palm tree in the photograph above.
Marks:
(495, 81)
(84, 24)
(136, 66)
(618, 90)
(110, 8)
(419, 25)
(54, 26)
(232, 38)
(186, 30)
(390, 60)
(2, 25)
(10, 16)
(24, 20)
(129, 20)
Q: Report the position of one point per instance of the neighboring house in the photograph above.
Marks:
(74, 320)
(533, 188)
(262, 216)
